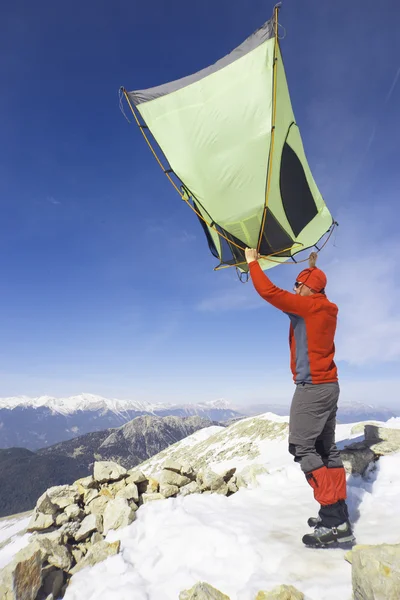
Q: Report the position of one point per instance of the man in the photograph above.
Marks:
(313, 411)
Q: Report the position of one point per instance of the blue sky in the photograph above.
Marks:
(107, 283)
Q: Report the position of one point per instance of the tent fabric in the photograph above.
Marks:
(230, 137)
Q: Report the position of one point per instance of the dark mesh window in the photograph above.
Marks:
(274, 237)
(230, 253)
(297, 198)
(210, 241)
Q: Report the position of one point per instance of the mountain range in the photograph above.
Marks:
(25, 475)
(35, 423)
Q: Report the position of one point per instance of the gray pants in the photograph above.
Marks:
(312, 426)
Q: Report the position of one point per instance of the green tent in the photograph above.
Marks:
(235, 153)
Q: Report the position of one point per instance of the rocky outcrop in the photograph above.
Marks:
(376, 572)
(282, 592)
(379, 441)
(202, 591)
(70, 522)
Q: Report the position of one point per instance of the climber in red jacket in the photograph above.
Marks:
(313, 410)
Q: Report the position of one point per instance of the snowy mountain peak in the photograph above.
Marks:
(72, 404)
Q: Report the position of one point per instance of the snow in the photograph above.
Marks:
(13, 538)
(248, 542)
(93, 402)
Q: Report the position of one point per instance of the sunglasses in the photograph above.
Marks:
(297, 284)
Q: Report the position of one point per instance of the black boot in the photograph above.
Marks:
(330, 537)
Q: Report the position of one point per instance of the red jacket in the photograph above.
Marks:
(312, 329)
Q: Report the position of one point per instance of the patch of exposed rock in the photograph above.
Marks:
(378, 441)
(70, 522)
(376, 571)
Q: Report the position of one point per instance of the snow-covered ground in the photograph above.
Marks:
(12, 537)
(248, 542)
(244, 543)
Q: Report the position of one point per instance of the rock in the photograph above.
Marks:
(57, 553)
(172, 465)
(69, 530)
(117, 486)
(90, 495)
(248, 476)
(106, 492)
(356, 458)
(129, 492)
(89, 524)
(22, 578)
(282, 592)
(187, 470)
(150, 497)
(61, 519)
(97, 506)
(77, 553)
(73, 512)
(150, 486)
(228, 474)
(117, 514)
(384, 440)
(87, 483)
(53, 583)
(359, 428)
(107, 470)
(232, 487)
(96, 554)
(96, 537)
(208, 480)
(172, 478)
(41, 521)
(191, 488)
(135, 476)
(63, 495)
(44, 505)
(349, 554)
(168, 490)
(376, 572)
(202, 591)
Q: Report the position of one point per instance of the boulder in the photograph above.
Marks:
(191, 488)
(382, 440)
(97, 553)
(90, 495)
(61, 519)
(172, 478)
(135, 476)
(57, 553)
(22, 578)
(107, 470)
(117, 514)
(228, 474)
(150, 497)
(97, 506)
(168, 490)
(202, 591)
(149, 486)
(172, 465)
(129, 492)
(282, 592)
(208, 480)
(87, 483)
(40, 521)
(96, 537)
(74, 513)
(63, 495)
(357, 458)
(89, 524)
(376, 572)
(117, 486)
